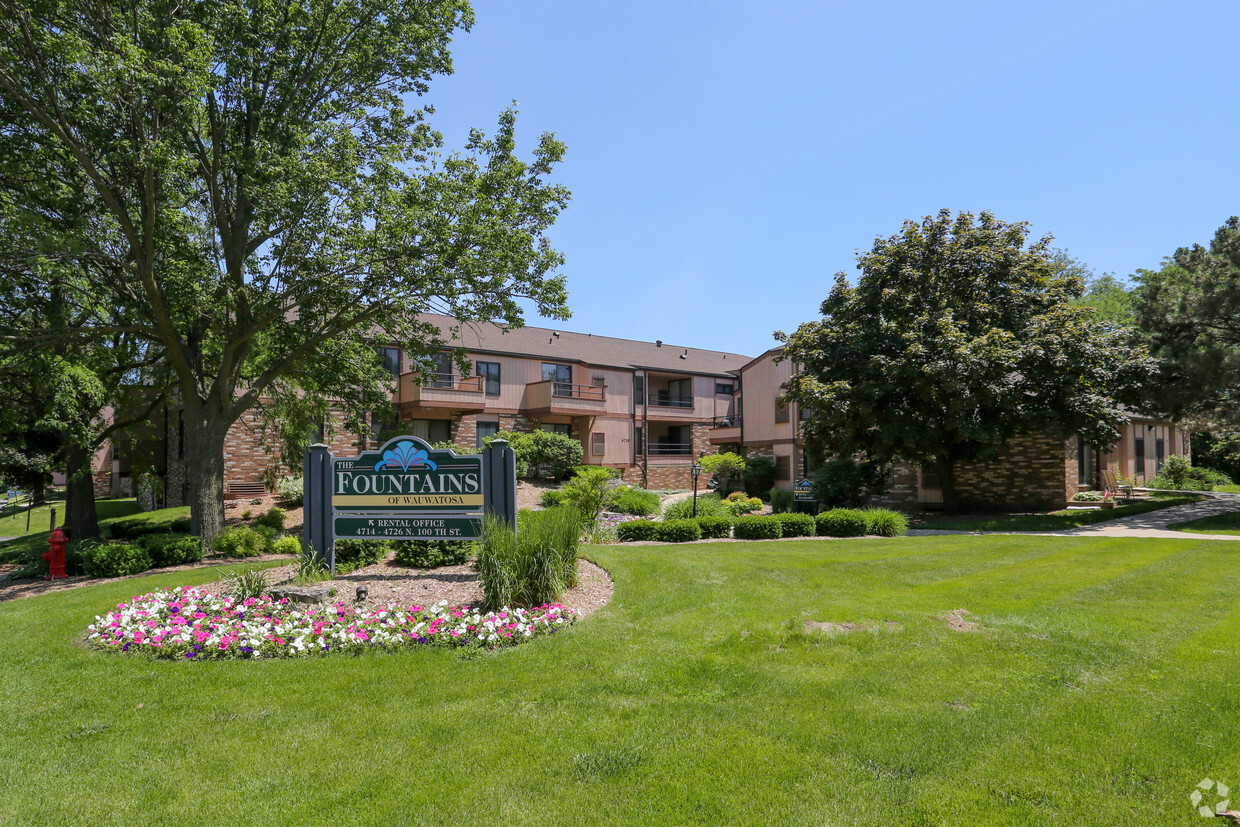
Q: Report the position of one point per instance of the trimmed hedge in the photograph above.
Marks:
(842, 522)
(883, 522)
(172, 549)
(715, 528)
(757, 528)
(114, 560)
(679, 531)
(429, 554)
(794, 524)
(132, 529)
(352, 555)
(181, 525)
(637, 530)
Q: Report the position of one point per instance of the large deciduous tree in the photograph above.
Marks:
(957, 337)
(1190, 309)
(271, 201)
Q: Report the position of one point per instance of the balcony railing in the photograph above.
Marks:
(450, 382)
(670, 449)
(725, 422)
(663, 399)
(444, 391)
(564, 398)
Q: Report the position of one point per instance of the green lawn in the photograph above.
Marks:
(1218, 524)
(1100, 689)
(1228, 489)
(108, 510)
(13, 523)
(1054, 521)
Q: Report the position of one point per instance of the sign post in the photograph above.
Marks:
(405, 490)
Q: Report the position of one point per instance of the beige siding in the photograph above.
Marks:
(762, 381)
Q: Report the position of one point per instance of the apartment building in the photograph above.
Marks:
(1035, 472)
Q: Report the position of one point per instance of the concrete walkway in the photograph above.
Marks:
(1149, 524)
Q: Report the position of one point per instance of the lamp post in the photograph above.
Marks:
(697, 472)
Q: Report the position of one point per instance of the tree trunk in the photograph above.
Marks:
(204, 457)
(80, 516)
(947, 484)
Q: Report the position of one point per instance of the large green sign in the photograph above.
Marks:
(406, 476)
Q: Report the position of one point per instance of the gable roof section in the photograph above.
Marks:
(603, 351)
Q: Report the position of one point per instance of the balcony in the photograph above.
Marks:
(670, 449)
(441, 391)
(665, 405)
(725, 429)
(557, 398)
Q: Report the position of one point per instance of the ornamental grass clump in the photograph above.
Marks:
(532, 565)
(195, 624)
(794, 524)
(883, 522)
(636, 501)
(842, 522)
(708, 505)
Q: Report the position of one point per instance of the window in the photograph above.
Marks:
(486, 429)
(1086, 459)
(781, 410)
(431, 430)
(1159, 454)
(802, 413)
(391, 359)
(723, 389)
(561, 375)
(562, 428)
(489, 372)
(639, 388)
(637, 440)
(783, 468)
(1138, 451)
(598, 444)
(442, 377)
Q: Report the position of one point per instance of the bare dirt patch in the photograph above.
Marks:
(849, 626)
(957, 623)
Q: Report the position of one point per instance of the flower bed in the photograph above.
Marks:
(194, 624)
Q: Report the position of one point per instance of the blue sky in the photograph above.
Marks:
(726, 159)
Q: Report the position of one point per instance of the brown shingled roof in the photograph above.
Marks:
(604, 351)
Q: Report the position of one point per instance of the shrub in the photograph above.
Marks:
(708, 505)
(114, 560)
(291, 489)
(532, 565)
(846, 482)
(181, 525)
(273, 518)
(1088, 497)
(430, 554)
(238, 541)
(793, 524)
(172, 549)
(132, 529)
(287, 545)
(551, 498)
(759, 475)
(714, 528)
(352, 555)
(542, 453)
(883, 522)
(738, 504)
(757, 528)
(268, 535)
(613, 473)
(636, 501)
(726, 468)
(678, 531)
(842, 522)
(782, 501)
(588, 492)
(637, 531)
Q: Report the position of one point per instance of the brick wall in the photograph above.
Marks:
(902, 493)
(1034, 472)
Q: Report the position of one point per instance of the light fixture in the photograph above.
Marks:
(361, 593)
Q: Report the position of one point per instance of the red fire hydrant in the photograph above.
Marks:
(55, 555)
